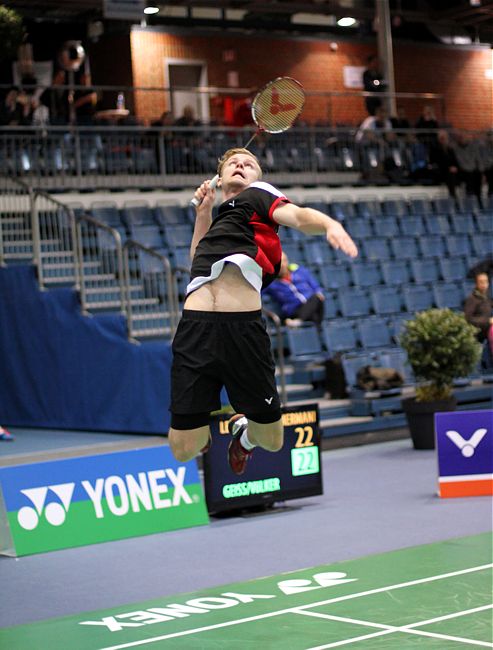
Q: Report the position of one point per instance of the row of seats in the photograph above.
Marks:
(357, 302)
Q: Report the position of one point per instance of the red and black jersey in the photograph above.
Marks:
(244, 225)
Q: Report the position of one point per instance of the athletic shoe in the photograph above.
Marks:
(237, 454)
(207, 446)
(6, 435)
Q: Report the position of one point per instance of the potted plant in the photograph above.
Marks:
(11, 33)
(441, 346)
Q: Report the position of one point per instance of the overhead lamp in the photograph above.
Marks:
(151, 10)
(347, 21)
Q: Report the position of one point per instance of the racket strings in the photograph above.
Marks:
(278, 105)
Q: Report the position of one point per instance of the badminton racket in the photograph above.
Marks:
(274, 109)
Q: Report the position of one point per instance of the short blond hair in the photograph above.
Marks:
(232, 152)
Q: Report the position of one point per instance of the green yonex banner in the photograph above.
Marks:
(79, 501)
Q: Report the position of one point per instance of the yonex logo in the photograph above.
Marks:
(55, 512)
(232, 204)
(269, 401)
(467, 447)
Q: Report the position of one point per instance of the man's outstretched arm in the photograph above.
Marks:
(314, 222)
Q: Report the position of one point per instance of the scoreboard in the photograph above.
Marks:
(291, 473)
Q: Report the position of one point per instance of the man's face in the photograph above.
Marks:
(482, 283)
(241, 170)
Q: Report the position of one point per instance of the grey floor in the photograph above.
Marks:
(378, 497)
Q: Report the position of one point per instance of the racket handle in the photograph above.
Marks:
(212, 186)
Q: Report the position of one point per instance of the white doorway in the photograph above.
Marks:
(183, 73)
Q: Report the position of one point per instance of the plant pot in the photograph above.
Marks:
(421, 419)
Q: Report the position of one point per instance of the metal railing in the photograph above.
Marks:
(151, 301)
(16, 239)
(169, 157)
(101, 271)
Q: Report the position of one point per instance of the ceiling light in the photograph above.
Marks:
(151, 10)
(347, 21)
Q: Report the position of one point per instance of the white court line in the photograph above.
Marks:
(369, 592)
(407, 629)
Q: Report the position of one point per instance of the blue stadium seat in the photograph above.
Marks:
(316, 251)
(484, 223)
(397, 358)
(385, 226)
(463, 224)
(354, 302)
(437, 225)
(352, 362)
(148, 236)
(304, 344)
(458, 245)
(404, 248)
(398, 324)
(376, 249)
(417, 298)
(342, 210)
(448, 294)
(374, 333)
(170, 214)
(107, 212)
(395, 272)
(181, 257)
(482, 246)
(425, 270)
(412, 226)
(366, 274)
(396, 207)
(452, 270)
(137, 213)
(445, 205)
(420, 205)
(432, 246)
(178, 235)
(369, 207)
(385, 300)
(293, 251)
(470, 203)
(339, 336)
(334, 276)
(359, 228)
(331, 305)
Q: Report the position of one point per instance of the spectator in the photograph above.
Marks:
(444, 162)
(467, 152)
(486, 160)
(18, 107)
(400, 121)
(478, 311)
(298, 294)
(187, 118)
(373, 82)
(5, 435)
(428, 124)
(378, 122)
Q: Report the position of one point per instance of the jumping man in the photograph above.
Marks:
(221, 339)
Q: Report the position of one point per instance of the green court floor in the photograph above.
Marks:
(437, 596)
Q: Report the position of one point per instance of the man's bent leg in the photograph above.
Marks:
(248, 434)
(187, 443)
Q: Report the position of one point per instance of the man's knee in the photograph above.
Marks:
(185, 445)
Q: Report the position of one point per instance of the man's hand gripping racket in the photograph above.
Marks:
(274, 110)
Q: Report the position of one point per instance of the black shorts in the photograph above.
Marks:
(216, 349)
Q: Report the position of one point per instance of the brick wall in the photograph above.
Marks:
(457, 73)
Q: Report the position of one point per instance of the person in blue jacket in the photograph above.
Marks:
(297, 293)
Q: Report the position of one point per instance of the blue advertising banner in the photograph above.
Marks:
(465, 453)
(77, 501)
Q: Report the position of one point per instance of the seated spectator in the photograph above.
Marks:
(400, 121)
(444, 162)
(478, 309)
(467, 152)
(297, 293)
(18, 107)
(486, 159)
(5, 435)
(394, 162)
(378, 122)
(188, 118)
(427, 120)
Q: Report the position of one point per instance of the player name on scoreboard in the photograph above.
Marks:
(288, 419)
